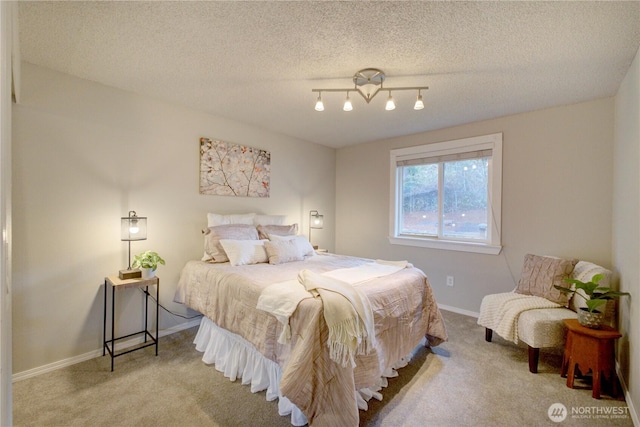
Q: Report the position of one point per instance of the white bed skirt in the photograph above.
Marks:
(236, 358)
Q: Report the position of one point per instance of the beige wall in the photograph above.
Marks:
(86, 154)
(556, 199)
(626, 229)
(8, 37)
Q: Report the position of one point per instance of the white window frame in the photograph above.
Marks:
(493, 244)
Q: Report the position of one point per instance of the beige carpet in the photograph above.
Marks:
(464, 382)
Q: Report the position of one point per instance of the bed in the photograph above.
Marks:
(290, 357)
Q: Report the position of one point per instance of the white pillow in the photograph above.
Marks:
(269, 219)
(213, 250)
(215, 219)
(281, 251)
(243, 252)
(301, 242)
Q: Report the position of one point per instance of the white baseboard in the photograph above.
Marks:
(96, 353)
(627, 397)
(458, 310)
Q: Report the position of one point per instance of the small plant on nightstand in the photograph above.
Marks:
(147, 262)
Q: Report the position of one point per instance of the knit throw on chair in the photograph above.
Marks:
(500, 312)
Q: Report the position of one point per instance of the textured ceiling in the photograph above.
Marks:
(256, 62)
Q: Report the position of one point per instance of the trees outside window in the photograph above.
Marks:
(448, 194)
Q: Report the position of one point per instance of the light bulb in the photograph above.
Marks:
(347, 104)
(319, 104)
(419, 104)
(133, 228)
(390, 104)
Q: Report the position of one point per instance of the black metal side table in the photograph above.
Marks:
(116, 283)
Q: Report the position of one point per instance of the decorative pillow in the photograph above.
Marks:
(282, 251)
(541, 273)
(215, 219)
(269, 219)
(264, 231)
(302, 243)
(212, 236)
(243, 252)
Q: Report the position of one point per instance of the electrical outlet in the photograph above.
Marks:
(449, 280)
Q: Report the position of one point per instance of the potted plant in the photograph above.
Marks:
(148, 263)
(595, 296)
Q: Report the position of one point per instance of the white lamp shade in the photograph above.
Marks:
(347, 105)
(390, 104)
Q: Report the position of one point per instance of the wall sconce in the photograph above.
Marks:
(132, 227)
(315, 221)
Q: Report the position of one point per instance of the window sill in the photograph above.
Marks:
(448, 245)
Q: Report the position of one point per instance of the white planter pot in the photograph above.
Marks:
(591, 320)
(148, 273)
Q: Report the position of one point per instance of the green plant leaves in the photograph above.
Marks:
(147, 259)
(595, 295)
(593, 304)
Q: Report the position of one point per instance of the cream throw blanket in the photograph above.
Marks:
(348, 315)
(500, 312)
(347, 310)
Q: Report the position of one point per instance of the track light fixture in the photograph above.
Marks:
(368, 82)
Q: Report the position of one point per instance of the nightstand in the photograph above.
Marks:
(120, 284)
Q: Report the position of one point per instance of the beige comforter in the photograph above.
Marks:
(404, 312)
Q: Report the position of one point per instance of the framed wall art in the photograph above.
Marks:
(228, 169)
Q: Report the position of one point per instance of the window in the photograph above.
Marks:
(447, 195)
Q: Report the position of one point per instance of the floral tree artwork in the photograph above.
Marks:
(228, 169)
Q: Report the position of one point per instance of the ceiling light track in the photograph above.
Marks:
(368, 82)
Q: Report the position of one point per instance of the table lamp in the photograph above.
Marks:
(132, 227)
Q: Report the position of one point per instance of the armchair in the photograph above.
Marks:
(533, 312)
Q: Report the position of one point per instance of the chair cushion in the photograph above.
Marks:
(541, 273)
(544, 327)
